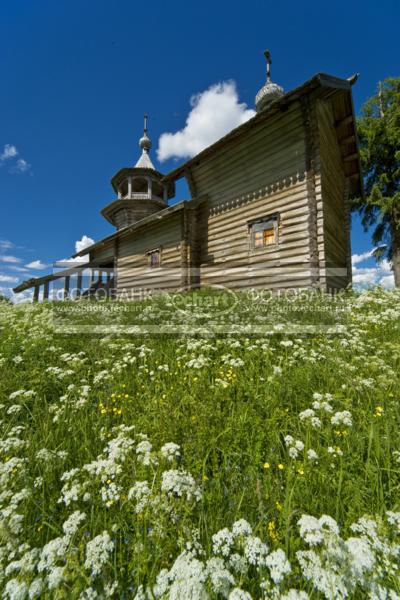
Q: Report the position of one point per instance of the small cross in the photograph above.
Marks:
(145, 123)
(267, 55)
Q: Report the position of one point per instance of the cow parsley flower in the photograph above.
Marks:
(342, 418)
(295, 595)
(241, 528)
(223, 542)
(97, 552)
(143, 451)
(220, 578)
(255, 551)
(15, 590)
(278, 565)
(308, 415)
(51, 553)
(170, 451)
(312, 530)
(70, 526)
(393, 518)
(141, 493)
(177, 482)
(55, 577)
(312, 455)
(294, 446)
(36, 588)
(361, 556)
(238, 594)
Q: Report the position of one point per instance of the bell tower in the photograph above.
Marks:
(140, 190)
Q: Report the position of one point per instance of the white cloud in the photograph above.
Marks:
(7, 258)
(380, 274)
(21, 166)
(6, 244)
(8, 279)
(9, 151)
(83, 243)
(36, 264)
(358, 258)
(19, 269)
(17, 166)
(215, 112)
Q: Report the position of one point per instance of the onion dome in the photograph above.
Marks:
(144, 161)
(270, 91)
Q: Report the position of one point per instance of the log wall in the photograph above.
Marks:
(262, 173)
(334, 216)
(133, 271)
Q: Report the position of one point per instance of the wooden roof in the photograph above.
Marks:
(154, 218)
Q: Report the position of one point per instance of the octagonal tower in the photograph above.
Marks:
(140, 189)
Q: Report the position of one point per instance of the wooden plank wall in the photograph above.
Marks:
(133, 271)
(261, 174)
(103, 252)
(333, 222)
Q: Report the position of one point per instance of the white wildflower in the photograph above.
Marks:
(141, 493)
(170, 451)
(55, 577)
(255, 551)
(342, 418)
(220, 578)
(71, 525)
(295, 595)
(312, 455)
(143, 450)
(36, 588)
(177, 482)
(278, 565)
(223, 542)
(362, 557)
(98, 551)
(15, 590)
(238, 594)
(393, 519)
(241, 528)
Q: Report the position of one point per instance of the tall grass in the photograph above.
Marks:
(228, 401)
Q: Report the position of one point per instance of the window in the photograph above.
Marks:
(154, 258)
(264, 232)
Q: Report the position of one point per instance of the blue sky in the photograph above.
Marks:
(77, 77)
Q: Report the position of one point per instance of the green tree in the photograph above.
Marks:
(4, 298)
(379, 136)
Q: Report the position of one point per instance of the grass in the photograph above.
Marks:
(228, 401)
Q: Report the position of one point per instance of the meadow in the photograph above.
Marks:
(236, 465)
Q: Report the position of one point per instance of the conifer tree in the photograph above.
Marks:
(379, 136)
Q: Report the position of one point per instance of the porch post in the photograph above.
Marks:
(129, 187)
(79, 283)
(46, 290)
(66, 286)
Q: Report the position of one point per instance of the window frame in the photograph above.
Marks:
(149, 254)
(260, 225)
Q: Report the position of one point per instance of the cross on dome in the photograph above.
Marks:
(270, 91)
(144, 161)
